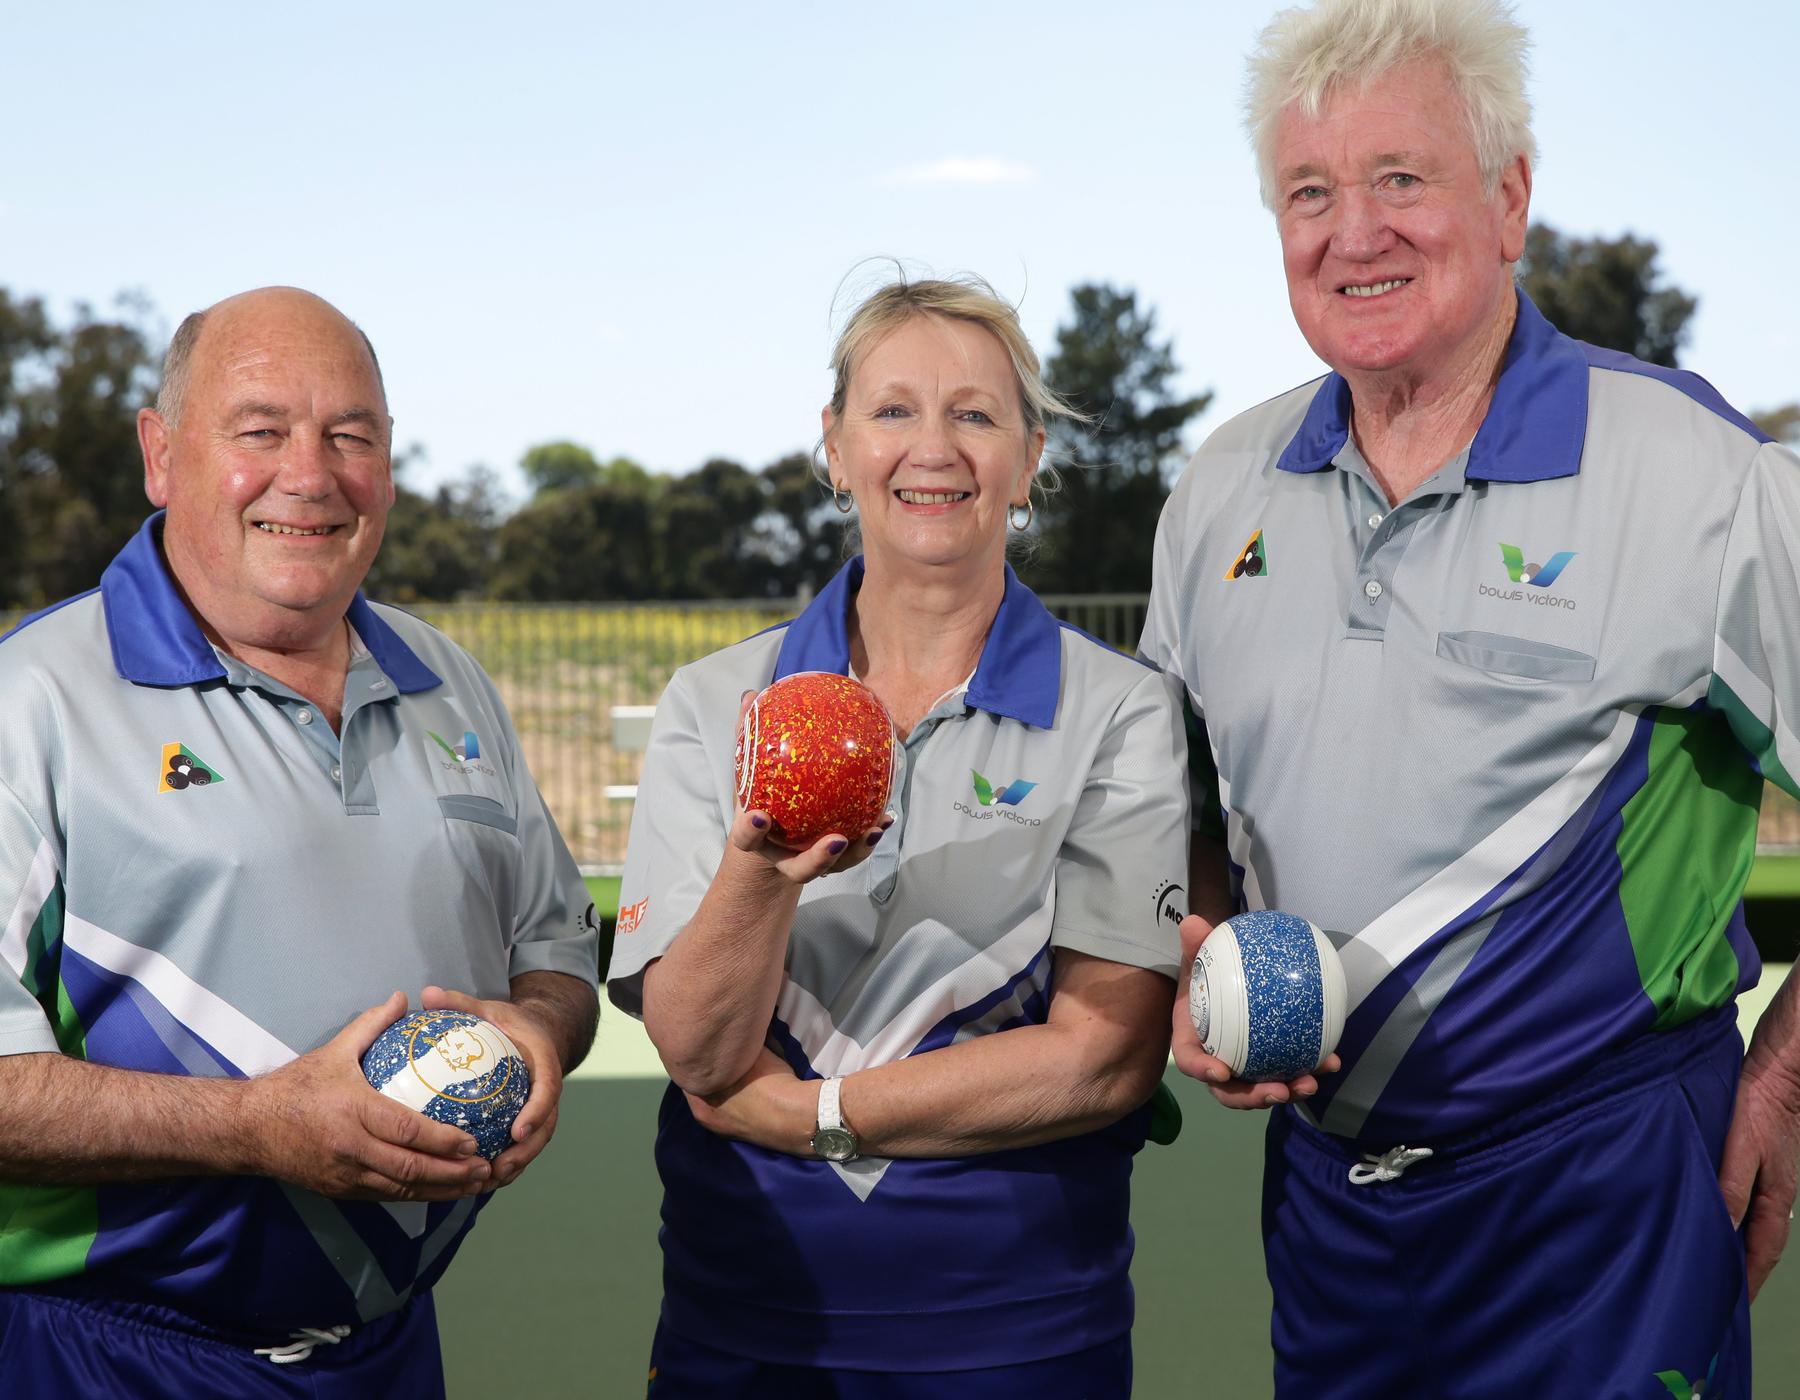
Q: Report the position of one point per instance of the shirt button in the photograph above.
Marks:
(1372, 590)
(337, 774)
(1374, 520)
(303, 717)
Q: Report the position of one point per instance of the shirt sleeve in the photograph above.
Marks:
(31, 926)
(554, 923)
(1163, 646)
(1756, 636)
(1120, 874)
(678, 830)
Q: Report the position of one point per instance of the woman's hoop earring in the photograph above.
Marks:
(842, 499)
(1012, 515)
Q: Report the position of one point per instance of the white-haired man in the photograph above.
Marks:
(1515, 639)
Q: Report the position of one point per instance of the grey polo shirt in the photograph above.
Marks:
(1505, 739)
(1041, 806)
(197, 876)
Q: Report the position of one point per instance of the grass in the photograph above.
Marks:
(1774, 877)
(604, 891)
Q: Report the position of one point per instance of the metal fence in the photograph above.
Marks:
(564, 668)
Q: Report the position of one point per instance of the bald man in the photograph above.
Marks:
(243, 813)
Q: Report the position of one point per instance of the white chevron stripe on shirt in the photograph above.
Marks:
(830, 1051)
(229, 1031)
(40, 880)
(1393, 936)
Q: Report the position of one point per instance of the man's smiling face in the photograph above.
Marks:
(277, 475)
(1397, 257)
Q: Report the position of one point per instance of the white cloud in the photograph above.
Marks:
(959, 170)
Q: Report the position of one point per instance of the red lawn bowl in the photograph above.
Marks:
(816, 752)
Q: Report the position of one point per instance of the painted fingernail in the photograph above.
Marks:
(887, 820)
(836, 848)
(758, 820)
(873, 837)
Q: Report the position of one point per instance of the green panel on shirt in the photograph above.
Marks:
(1686, 843)
(45, 1231)
(1753, 734)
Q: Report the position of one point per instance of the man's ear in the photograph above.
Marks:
(153, 441)
(1515, 194)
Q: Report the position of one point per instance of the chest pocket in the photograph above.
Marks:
(1515, 656)
(484, 840)
(467, 807)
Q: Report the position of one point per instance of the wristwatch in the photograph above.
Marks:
(833, 1139)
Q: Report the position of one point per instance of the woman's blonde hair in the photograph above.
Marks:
(966, 298)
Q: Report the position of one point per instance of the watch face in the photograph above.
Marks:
(834, 1144)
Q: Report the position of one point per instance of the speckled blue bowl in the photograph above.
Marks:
(456, 1068)
(1267, 995)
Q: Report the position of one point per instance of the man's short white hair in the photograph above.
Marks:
(1304, 54)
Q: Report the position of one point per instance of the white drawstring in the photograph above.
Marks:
(1388, 1166)
(304, 1341)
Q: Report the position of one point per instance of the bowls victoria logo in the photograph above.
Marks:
(1534, 579)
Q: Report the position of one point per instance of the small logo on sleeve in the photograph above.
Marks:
(1252, 561)
(181, 770)
(631, 916)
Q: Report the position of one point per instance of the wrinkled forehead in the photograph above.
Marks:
(1410, 113)
(296, 345)
(929, 345)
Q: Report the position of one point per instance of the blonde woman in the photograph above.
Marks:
(910, 1065)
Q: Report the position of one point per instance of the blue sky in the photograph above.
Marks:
(628, 225)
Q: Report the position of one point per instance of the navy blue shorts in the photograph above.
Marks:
(54, 1346)
(685, 1370)
(1580, 1248)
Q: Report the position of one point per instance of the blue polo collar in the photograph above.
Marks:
(156, 641)
(1534, 427)
(1018, 677)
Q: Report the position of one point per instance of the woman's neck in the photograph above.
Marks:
(916, 636)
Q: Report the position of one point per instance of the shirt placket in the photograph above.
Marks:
(1384, 536)
(884, 862)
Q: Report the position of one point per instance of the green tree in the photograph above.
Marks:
(1606, 291)
(592, 543)
(704, 522)
(559, 466)
(71, 478)
(797, 542)
(1095, 531)
(1782, 424)
(438, 547)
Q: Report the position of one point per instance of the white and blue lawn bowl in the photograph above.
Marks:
(456, 1068)
(1267, 995)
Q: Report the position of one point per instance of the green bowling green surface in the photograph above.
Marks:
(555, 1293)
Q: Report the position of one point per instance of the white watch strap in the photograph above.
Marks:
(830, 1114)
